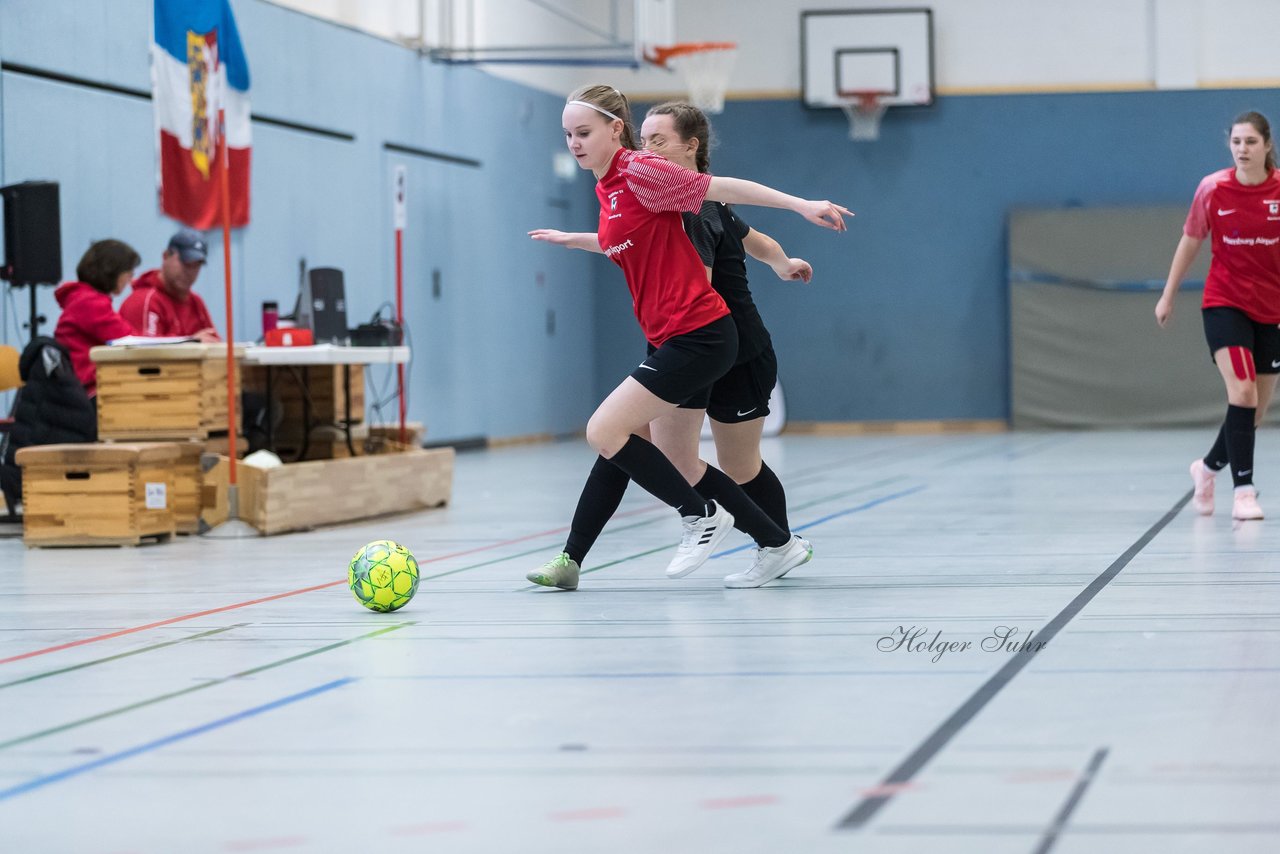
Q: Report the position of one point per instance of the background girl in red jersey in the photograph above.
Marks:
(89, 317)
(1240, 208)
(686, 322)
(737, 402)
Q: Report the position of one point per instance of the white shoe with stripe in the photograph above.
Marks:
(701, 536)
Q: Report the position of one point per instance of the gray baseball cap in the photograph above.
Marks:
(190, 246)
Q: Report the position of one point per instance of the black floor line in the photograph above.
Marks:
(865, 810)
(1060, 820)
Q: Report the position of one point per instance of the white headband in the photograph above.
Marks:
(598, 110)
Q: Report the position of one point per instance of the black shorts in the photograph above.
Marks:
(743, 393)
(1231, 327)
(688, 364)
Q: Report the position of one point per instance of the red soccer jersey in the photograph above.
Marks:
(1245, 223)
(154, 313)
(641, 197)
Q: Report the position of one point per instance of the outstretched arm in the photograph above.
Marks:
(736, 191)
(585, 240)
(764, 248)
(1183, 256)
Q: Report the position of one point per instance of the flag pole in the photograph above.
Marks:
(233, 527)
(224, 192)
(400, 323)
(401, 218)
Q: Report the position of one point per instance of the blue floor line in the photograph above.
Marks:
(76, 770)
(797, 528)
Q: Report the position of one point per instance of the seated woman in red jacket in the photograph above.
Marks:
(89, 316)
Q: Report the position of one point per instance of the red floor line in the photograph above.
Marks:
(198, 614)
(167, 622)
(743, 801)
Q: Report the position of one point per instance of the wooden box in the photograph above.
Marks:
(90, 495)
(167, 391)
(299, 496)
(322, 384)
(188, 477)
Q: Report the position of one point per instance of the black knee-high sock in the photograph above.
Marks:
(601, 495)
(656, 475)
(747, 515)
(766, 490)
(1216, 459)
(1240, 434)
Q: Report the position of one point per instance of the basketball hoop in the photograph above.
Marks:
(705, 68)
(864, 110)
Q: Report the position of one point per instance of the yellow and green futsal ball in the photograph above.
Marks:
(383, 576)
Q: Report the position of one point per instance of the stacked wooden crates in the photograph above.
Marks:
(85, 495)
(163, 392)
(170, 393)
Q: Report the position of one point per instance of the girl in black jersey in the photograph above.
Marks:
(739, 400)
(695, 340)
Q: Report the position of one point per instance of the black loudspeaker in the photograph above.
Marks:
(32, 234)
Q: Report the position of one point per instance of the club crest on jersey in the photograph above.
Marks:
(613, 204)
(1274, 207)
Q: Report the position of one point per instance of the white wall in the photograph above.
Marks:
(982, 46)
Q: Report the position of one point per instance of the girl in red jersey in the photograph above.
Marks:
(695, 340)
(1240, 208)
(737, 402)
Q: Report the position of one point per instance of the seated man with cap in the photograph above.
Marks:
(163, 303)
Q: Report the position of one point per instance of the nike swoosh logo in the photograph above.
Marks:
(647, 368)
(1221, 212)
(748, 412)
(1275, 364)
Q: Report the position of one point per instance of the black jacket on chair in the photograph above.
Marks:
(52, 407)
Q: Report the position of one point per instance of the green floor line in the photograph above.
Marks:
(97, 661)
(194, 688)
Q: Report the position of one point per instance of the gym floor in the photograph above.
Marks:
(1021, 642)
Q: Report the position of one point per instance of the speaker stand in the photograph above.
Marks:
(36, 317)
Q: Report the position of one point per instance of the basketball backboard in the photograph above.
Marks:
(885, 52)
(547, 32)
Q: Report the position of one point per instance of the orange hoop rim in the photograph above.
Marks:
(660, 55)
(865, 100)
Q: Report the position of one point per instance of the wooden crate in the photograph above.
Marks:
(188, 477)
(326, 443)
(170, 391)
(90, 495)
(414, 432)
(323, 384)
(300, 496)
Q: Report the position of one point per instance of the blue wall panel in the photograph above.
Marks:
(485, 362)
(906, 317)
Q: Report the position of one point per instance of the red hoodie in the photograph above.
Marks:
(88, 319)
(151, 310)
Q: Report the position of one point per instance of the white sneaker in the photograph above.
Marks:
(701, 536)
(1245, 503)
(772, 563)
(1202, 479)
(808, 557)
